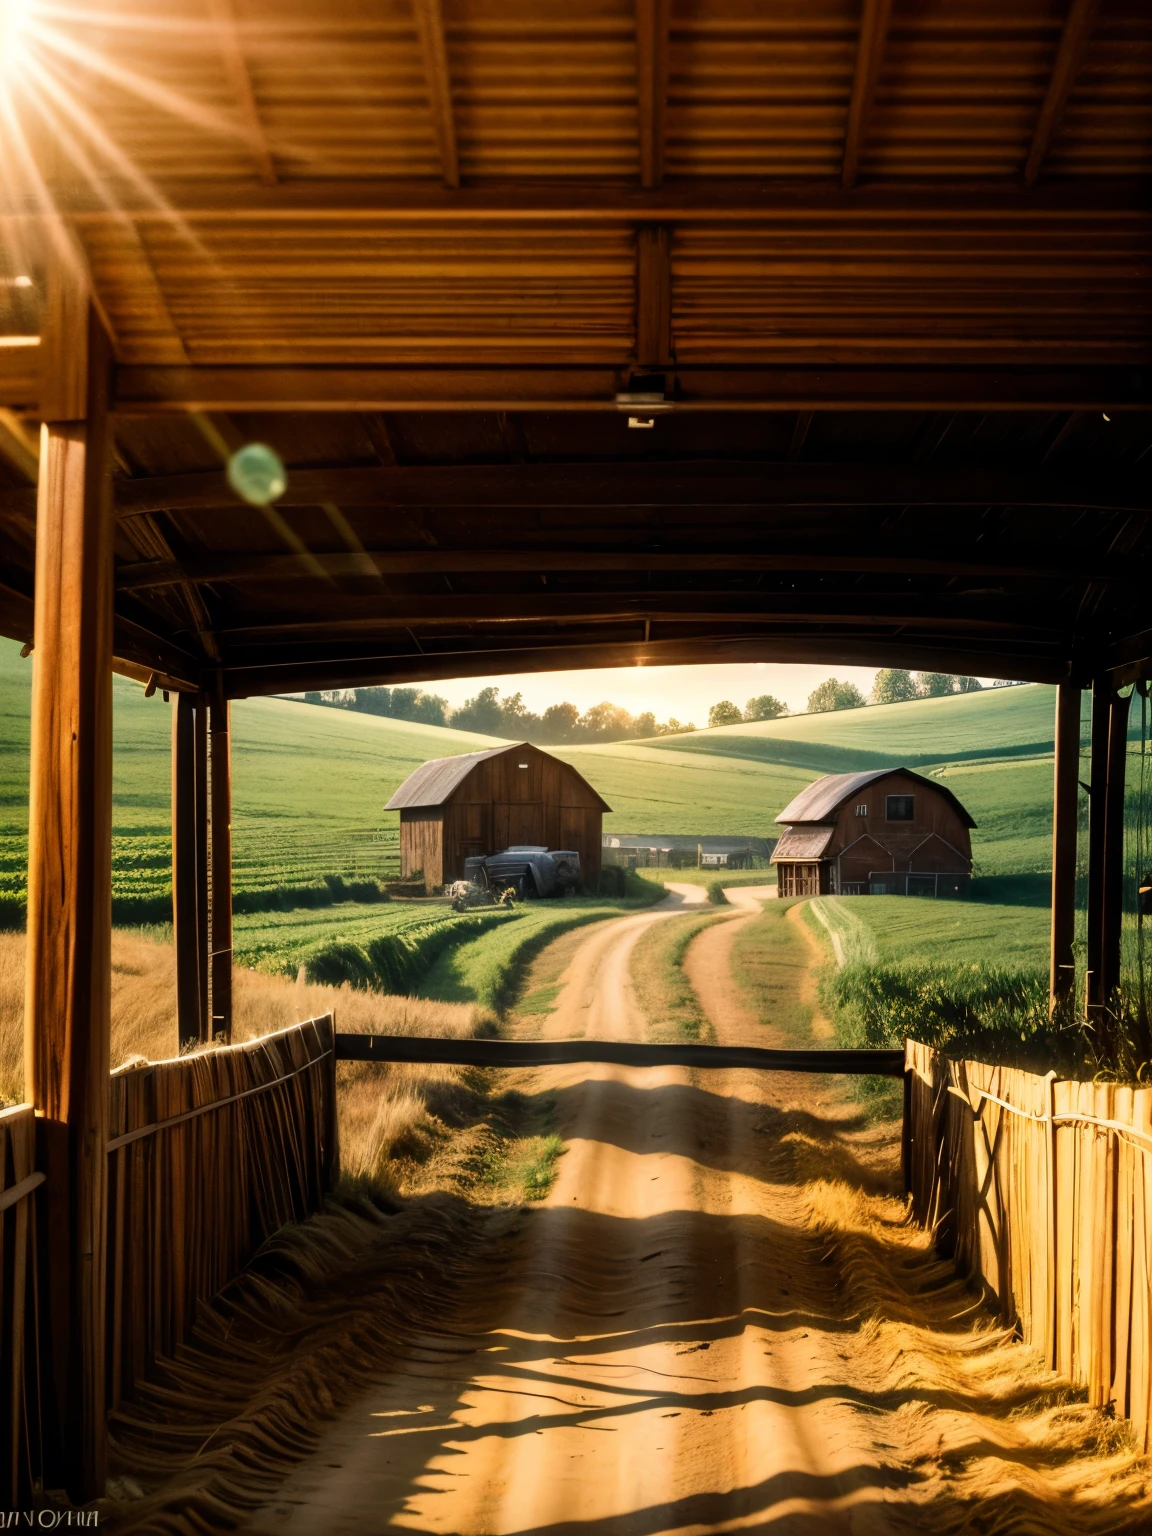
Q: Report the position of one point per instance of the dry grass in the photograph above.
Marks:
(384, 1112)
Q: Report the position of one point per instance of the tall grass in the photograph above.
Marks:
(384, 1111)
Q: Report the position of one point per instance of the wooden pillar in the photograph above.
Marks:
(67, 1012)
(200, 739)
(1112, 905)
(185, 883)
(1065, 793)
(1097, 809)
(221, 869)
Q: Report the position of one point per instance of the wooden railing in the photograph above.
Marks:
(1042, 1190)
(208, 1155)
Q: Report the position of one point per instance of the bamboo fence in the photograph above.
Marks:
(1041, 1190)
(208, 1155)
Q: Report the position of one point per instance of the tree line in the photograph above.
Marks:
(488, 714)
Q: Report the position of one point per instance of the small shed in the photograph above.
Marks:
(483, 802)
(888, 832)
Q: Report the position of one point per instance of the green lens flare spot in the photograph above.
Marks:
(257, 474)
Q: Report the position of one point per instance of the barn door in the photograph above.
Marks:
(525, 823)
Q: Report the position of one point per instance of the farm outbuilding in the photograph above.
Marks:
(888, 832)
(482, 802)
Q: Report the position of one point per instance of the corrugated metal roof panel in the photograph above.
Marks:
(434, 781)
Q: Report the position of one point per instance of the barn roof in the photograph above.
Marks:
(434, 782)
(802, 843)
(821, 800)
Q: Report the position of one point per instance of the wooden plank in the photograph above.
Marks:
(692, 483)
(736, 199)
(429, 16)
(652, 28)
(1112, 891)
(150, 390)
(203, 888)
(1065, 811)
(874, 19)
(221, 924)
(67, 1015)
(1097, 815)
(1073, 46)
(546, 1053)
(273, 569)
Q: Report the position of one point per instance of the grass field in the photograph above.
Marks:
(669, 1000)
(886, 928)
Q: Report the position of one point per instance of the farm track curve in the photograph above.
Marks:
(717, 1321)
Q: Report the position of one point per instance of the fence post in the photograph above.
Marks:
(1066, 788)
(221, 912)
(906, 1133)
(67, 1010)
(1050, 1158)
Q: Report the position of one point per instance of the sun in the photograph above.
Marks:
(15, 16)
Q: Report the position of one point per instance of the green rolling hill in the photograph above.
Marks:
(310, 783)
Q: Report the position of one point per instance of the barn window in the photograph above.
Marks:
(861, 810)
(899, 807)
(521, 765)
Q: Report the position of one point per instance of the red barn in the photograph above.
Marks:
(889, 832)
(484, 802)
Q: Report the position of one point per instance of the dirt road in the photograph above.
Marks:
(716, 1322)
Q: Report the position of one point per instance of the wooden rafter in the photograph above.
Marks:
(652, 23)
(874, 20)
(1073, 46)
(223, 14)
(691, 483)
(653, 296)
(429, 16)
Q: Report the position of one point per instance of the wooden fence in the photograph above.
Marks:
(207, 1156)
(1042, 1190)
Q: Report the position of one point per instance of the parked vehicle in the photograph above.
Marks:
(528, 869)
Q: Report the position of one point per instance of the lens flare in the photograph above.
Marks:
(15, 16)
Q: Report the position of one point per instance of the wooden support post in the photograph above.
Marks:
(221, 827)
(1112, 905)
(67, 1012)
(1066, 789)
(1097, 808)
(200, 739)
(653, 296)
(185, 903)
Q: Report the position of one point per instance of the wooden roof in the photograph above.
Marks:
(435, 782)
(883, 266)
(820, 800)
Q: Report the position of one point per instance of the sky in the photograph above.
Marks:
(685, 692)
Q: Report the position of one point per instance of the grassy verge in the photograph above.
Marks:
(490, 969)
(664, 991)
(771, 965)
(709, 877)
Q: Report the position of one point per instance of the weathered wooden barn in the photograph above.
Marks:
(481, 802)
(889, 832)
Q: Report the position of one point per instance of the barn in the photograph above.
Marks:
(889, 832)
(483, 802)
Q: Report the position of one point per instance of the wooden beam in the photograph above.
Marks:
(67, 1012)
(686, 483)
(221, 835)
(203, 886)
(1065, 809)
(185, 840)
(710, 199)
(145, 390)
(1070, 52)
(654, 296)
(213, 568)
(1112, 908)
(652, 28)
(224, 19)
(429, 15)
(874, 20)
(455, 658)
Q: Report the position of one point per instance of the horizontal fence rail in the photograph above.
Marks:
(1042, 1190)
(619, 1053)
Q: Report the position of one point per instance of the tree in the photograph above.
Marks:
(893, 685)
(481, 713)
(645, 725)
(969, 684)
(935, 685)
(431, 709)
(764, 707)
(724, 713)
(606, 722)
(833, 694)
(559, 723)
(676, 729)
